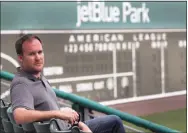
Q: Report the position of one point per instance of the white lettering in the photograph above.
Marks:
(136, 15)
(84, 87)
(56, 70)
(66, 88)
(109, 83)
(124, 82)
(78, 24)
(113, 37)
(126, 10)
(96, 12)
(80, 38)
(88, 38)
(106, 36)
(99, 85)
(120, 37)
(95, 37)
(115, 14)
(118, 46)
(71, 38)
(145, 12)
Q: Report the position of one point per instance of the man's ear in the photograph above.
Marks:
(20, 58)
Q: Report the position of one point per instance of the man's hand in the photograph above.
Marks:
(70, 115)
(84, 127)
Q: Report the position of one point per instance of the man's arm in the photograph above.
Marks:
(22, 115)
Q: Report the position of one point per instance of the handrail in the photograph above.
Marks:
(104, 109)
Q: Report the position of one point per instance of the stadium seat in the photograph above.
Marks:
(1, 125)
(10, 115)
(28, 127)
(42, 127)
(17, 128)
(7, 126)
(54, 128)
(2, 131)
(6, 123)
(4, 107)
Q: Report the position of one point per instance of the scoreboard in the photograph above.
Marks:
(109, 64)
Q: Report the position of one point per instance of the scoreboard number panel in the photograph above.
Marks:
(108, 66)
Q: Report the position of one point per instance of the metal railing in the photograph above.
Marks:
(86, 103)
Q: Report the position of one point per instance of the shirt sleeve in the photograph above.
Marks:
(21, 96)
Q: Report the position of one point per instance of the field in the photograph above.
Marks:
(173, 119)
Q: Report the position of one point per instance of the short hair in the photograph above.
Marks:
(21, 40)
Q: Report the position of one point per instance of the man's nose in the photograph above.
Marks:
(37, 56)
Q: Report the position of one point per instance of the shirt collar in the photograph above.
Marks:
(29, 76)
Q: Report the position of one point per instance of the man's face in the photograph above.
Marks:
(32, 59)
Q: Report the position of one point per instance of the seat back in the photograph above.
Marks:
(10, 115)
(7, 126)
(54, 127)
(28, 127)
(42, 127)
(17, 128)
(2, 131)
(4, 107)
(1, 124)
(6, 123)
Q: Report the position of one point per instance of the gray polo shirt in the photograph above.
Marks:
(31, 93)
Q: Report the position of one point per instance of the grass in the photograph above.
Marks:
(173, 119)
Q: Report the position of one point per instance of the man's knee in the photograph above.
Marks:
(115, 119)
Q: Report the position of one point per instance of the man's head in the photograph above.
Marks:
(30, 53)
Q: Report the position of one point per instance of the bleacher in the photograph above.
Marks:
(8, 124)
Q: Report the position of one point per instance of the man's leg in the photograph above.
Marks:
(106, 124)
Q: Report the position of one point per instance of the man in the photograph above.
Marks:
(33, 99)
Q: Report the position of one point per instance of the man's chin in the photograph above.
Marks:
(38, 70)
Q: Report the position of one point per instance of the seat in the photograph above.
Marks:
(42, 127)
(17, 128)
(1, 125)
(54, 128)
(7, 125)
(4, 107)
(29, 127)
(2, 131)
(10, 115)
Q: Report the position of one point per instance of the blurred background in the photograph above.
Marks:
(127, 55)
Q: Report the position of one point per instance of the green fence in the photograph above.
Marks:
(104, 109)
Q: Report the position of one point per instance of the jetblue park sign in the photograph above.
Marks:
(96, 12)
(92, 15)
